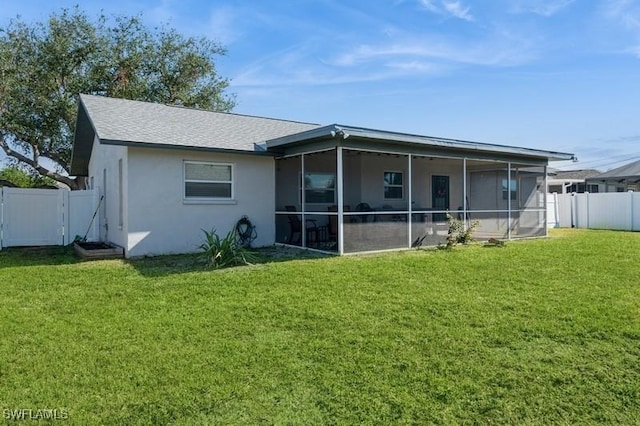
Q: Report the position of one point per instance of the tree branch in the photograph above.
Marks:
(71, 183)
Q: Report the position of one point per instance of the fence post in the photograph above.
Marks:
(574, 210)
(586, 194)
(65, 218)
(631, 211)
(556, 210)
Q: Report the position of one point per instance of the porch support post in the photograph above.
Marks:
(464, 193)
(409, 189)
(340, 195)
(544, 203)
(303, 225)
(509, 200)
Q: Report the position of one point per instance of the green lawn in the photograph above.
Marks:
(537, 332)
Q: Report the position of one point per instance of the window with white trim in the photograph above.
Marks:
(509, 187)
(393, 186)
(320, 188)
(208, 181)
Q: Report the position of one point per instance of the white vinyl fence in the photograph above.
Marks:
(37, 217)
(608, 210)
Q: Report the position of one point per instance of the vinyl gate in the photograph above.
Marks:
(38, 217)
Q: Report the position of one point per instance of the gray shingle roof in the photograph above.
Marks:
(575, 174)
(121, 121)
(135, 123)
(630, 170)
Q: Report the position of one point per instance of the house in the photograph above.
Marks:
(168, 172)
(569, 181)
(622, 179)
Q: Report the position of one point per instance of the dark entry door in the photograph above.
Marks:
(440, 196)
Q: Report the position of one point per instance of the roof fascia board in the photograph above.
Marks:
(86, 128)
(307, 148)
(302, 137)
(456, 144)
(611, 178)
(133, 144)
(346, 132)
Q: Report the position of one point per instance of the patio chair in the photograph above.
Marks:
(295, 227)
(364, 207)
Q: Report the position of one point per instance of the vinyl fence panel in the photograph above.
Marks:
(80, 210)
(32, 217)
(38, 217)
(610, 210)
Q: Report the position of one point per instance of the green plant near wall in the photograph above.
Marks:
(224, 252)
(22, 178)
(458, 233)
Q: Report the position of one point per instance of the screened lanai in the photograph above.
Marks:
(350, 190)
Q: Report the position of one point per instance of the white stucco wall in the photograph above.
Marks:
(160, 221)
(104, 164)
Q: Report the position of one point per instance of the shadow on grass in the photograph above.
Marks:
(159, 266)
(148, 266)
(38, 256)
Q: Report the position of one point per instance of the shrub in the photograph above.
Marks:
(457, 233)
(225, 252)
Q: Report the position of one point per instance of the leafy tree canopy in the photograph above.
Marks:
(22, 178)
(45, 65)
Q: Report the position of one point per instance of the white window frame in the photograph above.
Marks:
(385, 185)
(301, 188)
(187, 199)
(509, 192)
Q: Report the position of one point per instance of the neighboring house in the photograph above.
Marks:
(168, 172)
(623, 179)
(569, 181)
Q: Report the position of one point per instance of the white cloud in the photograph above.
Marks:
(453, 8)
(222, 25)
(507, 53)
(626, 12)
(545, 8)
(456, 9)
(430, 5)
(414, 67)
(163, 12)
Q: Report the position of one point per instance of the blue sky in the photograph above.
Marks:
(561, 75)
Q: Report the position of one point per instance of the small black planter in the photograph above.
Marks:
(97, 250)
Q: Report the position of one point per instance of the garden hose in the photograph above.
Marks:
(246, 232)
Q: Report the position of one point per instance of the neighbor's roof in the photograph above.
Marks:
(628, 171)
(345, 132)
(574, 174)
(136, 123)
